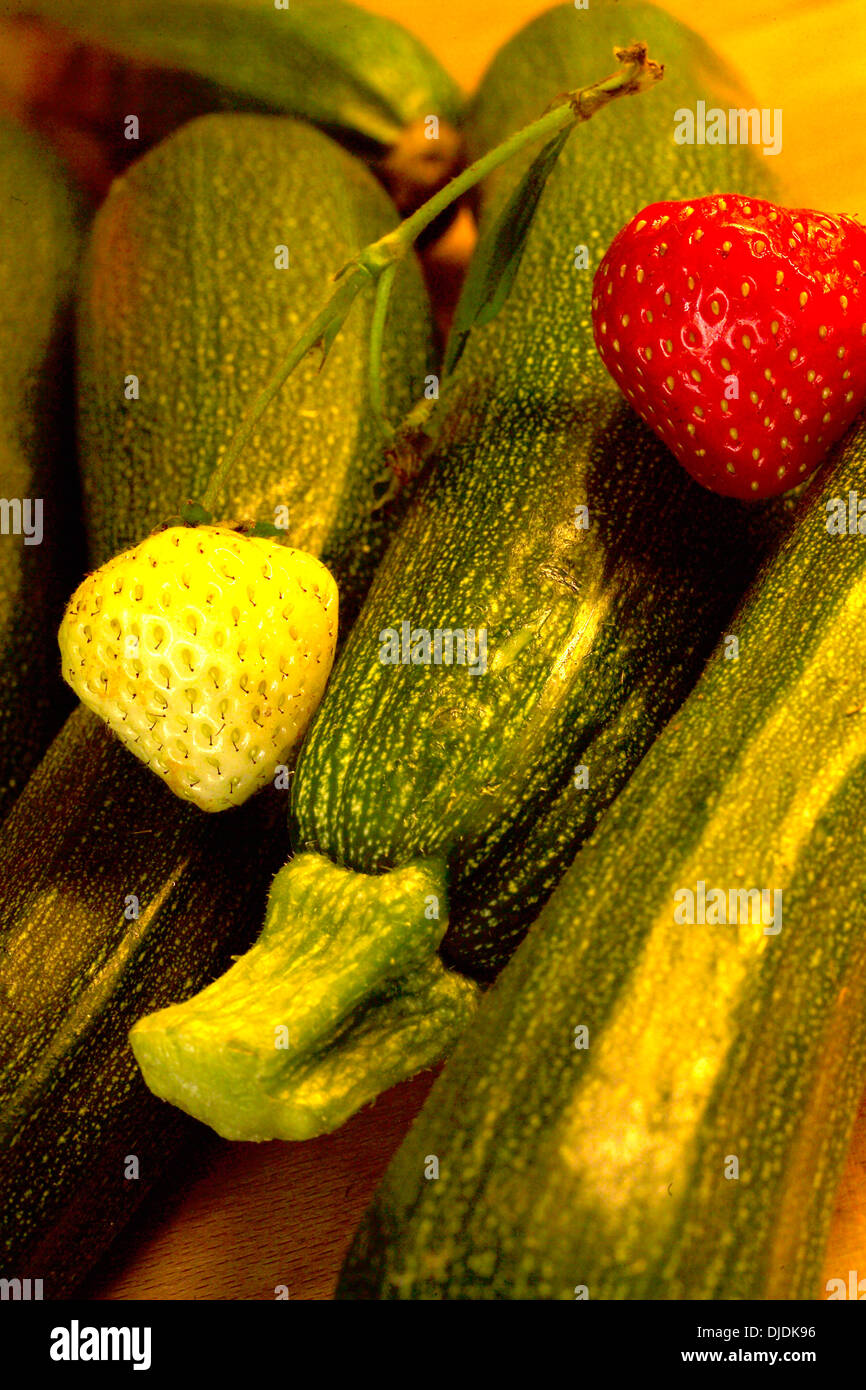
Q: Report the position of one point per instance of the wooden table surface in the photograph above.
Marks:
(241, 1219)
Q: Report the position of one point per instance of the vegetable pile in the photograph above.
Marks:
(596, 645)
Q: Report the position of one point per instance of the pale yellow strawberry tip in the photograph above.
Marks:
(207, 652)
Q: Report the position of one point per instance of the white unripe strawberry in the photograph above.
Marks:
(207, 652)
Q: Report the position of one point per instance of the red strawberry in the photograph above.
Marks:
(737, 330)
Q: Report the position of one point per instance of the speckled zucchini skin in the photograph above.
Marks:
(608, 1167)
(180, 289)
(40, 235)
(593, 636)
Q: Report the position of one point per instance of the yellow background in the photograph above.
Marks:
(803, 56)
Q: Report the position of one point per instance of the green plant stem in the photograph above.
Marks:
(377, 335)
(376, 264)
(637, 74)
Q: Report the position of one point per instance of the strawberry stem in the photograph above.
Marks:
(376, 264)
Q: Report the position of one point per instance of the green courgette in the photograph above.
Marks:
(40, 551)
(652, 1107)
(114, 896)
(233, 285)
(359, 76)
(420, 783)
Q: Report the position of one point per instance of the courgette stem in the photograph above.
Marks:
(342, 995)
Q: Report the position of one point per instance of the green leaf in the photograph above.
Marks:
(194, 514)
(498, 255)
